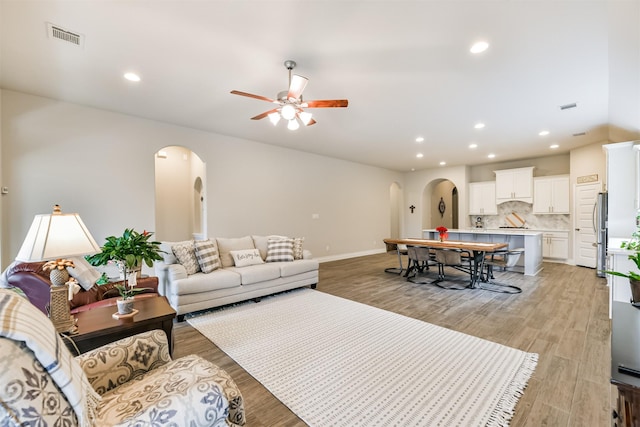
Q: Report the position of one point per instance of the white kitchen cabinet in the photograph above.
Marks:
(551, 195)
(555, 244)
(482, 198)
(514, 184)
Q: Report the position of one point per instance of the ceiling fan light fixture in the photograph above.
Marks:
(274, 118)
(293, 124)
(288, 111)
(305, 117)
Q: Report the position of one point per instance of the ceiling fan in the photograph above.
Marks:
(290, 103)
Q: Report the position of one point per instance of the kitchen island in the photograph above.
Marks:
(530, 263)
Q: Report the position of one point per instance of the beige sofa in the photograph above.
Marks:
(244, 268)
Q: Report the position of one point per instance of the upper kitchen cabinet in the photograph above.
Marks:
(514, 184)
(551, 195)
(482, 198)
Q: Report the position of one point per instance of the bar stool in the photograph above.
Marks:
(502, 259)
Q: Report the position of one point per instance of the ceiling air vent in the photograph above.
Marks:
(568, 106)
(57, 32)
(579, 134)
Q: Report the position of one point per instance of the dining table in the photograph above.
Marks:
(479, 250)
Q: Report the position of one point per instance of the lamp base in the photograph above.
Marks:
(59, 309)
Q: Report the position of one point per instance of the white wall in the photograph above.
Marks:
(101, 165)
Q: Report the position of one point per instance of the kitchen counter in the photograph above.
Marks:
(530, 262)
(613, 246)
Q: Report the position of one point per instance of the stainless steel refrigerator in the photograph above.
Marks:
(600, 228)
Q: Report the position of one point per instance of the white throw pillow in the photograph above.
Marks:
(280, 250)
(83, 272)
(245, 257)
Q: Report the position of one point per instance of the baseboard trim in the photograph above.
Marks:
(350, 255)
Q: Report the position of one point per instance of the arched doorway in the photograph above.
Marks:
(440, 205)
(180, 204)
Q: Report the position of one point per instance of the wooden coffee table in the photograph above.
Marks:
(97, 327)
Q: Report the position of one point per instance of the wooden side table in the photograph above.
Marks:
(625, 353)
(97, 327)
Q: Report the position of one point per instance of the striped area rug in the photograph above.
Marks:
(335, 362)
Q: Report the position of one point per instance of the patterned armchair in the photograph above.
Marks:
(135, 378)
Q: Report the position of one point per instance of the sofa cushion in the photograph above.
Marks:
(246, 257)
(226, 245)
(221, 278)
(257, 273)
(167, 253)
(299, 266)
(279, 250)
(186, 254)
(207, 255)
(83, 272)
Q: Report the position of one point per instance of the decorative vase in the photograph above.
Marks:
(635, 291)
(441, 238)
(125, 306)
(59, 277)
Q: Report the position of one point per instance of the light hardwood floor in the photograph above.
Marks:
(562, 314)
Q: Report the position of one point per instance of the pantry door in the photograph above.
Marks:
(586, 196)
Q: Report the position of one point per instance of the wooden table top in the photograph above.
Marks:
(450, 244)
(100, 320)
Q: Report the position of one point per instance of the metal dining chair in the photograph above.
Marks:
(502, 260)
(458, 259)
(420, 258)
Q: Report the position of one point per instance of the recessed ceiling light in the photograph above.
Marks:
(544, 133)
(443, 163)
(479, 125)
(491, 156)
(420, 139)
(419, 155)
(479, 47)
(132, 77)
(554, 146)
(473, 146)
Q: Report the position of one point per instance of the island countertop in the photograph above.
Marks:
(530, 263)
(507, 231)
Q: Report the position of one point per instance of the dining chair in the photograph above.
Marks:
(502, 260)
(419, 259)
(458, 259)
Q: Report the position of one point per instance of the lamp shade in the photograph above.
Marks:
(56, 235)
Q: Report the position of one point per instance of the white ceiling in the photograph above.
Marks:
(405, 67)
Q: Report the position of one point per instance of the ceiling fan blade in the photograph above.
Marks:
(263, 115)
(250, 95)
(327, 103)
(298, 83)
(311, 122)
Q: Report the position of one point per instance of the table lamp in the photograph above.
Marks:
(57, 236)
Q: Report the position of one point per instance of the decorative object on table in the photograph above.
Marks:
(128, 251)
(441, 207)
(58, 270)
(634, 277)
(57, 236)
(442, 232)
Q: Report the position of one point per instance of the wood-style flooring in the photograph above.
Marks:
(561, 314)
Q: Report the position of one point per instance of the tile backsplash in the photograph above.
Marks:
(524, 210)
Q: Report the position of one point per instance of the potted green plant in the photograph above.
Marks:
(634, 277)
(128, 251)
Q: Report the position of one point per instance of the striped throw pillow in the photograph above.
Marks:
(279, 250)
(207, 255)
